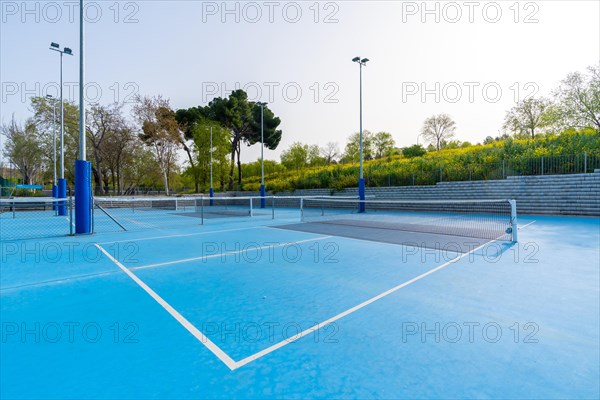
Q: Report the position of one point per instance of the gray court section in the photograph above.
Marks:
(385, 235)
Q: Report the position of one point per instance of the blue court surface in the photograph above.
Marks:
(248, 308)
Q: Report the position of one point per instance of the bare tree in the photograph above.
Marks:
(437, 129)
(330, 152)
(103, 121)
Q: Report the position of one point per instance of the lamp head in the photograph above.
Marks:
(55, 45)
(364, 60)
(356, 59)
(68, 51)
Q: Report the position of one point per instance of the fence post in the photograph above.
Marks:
(71, 216)
(585, 162)
(542, 165)
(413, 176)
(441, 177)
(503, 170)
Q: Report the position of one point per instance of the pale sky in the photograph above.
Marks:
(469, 59)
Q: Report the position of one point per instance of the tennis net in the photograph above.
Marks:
(483, 219)
(35, 217)
(114, 213)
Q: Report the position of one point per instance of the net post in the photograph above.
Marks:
(302, 209)
(513, 220)
(251, 211)
(272, 207)
(202, 209)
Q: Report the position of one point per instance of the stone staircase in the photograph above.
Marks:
(576, 194)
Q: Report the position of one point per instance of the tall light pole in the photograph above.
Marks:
(83, 169)
(54, 188)
(262, 154)
(211, 191)
(62, 183)
(361, 180)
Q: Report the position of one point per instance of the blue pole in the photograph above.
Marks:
(212, 194)
(83, 168)
(263, 193)
(83, 197)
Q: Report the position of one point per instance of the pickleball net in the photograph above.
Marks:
(482, 219)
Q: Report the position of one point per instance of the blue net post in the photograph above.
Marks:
(361, 195)
(62, 194)
(211, 194)
(55, 195)
(262, 196)
(83, 197)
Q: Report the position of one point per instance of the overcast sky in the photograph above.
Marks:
(469, 59)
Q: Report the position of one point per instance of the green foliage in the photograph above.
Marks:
(417, 167)
(414, 151)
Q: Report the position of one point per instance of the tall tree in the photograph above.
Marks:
(23, 149)
(529, 116)
(160, 131)
(383, 144)
(221, 146)
(103, 122)
(330, 152)
(578, 97)
(242, 119)
(352, 151)
(295, 156)
(43, 118)
(438, 128)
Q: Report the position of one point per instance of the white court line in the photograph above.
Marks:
(175, 314)
(351, 310)
(186, 260)
(526, 225)
(232, 364)
(182, 235)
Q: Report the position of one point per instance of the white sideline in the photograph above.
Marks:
(232, 364)
(175, 314)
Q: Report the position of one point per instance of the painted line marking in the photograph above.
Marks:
(526, 225)
(352, 310)
(232, 364)
(227, 253)
(221, 355)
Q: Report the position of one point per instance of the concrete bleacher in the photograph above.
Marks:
(576, 194)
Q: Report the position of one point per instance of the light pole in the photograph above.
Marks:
(211, 191)
(62, 183)
(262, 154)
(83, 169)
(361, 180)
(54, 188)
